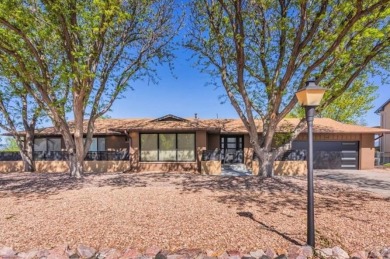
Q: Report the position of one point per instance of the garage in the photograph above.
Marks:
(332, 154)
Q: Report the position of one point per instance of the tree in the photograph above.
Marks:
(262, 52)
(18, 111)
(350, 107)
(77, 57)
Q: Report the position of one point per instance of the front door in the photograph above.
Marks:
(232, 149)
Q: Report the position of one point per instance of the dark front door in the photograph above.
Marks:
(232, 149)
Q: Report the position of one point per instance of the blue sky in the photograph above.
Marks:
(186, 93)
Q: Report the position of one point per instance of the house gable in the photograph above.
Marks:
(169, 117)
(381, 109)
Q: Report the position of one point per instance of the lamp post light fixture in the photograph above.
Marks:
(310, 97)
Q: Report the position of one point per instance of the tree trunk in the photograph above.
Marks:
(27, 152)
(77, 159)
(28, 162)
(75, 165)
(266, 168)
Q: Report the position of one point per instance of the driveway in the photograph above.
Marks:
(375, 180)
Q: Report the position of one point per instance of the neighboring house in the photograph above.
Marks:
(384, 141)
(171, 143)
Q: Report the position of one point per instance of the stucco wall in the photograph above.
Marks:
(168, 167)
(62, 166)
(367, 152)
(213, 141)
(284, 168)
(211, 167)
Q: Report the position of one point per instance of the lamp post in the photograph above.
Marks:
(310, 97)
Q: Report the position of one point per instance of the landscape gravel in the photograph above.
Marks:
(183, 211)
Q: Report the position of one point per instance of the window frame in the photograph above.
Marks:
(97, 143)
(47, 144)
(158, 148)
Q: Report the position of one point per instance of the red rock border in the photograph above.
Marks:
(293, 252)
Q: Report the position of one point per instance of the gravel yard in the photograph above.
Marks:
(175, 211)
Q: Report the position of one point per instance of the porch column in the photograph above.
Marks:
(134, 151)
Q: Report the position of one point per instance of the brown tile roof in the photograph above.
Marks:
(232, 126)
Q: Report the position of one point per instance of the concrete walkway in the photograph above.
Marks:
(375, 180)
(235, 170)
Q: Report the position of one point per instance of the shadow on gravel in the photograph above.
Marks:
(41, 184)
(362, 182)
(286, 236)
(269, 194)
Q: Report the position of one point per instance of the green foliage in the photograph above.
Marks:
(10, 145)
(387, 165)
(80, 56)
(350, 107)
(262, 52)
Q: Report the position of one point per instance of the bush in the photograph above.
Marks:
(387, 165)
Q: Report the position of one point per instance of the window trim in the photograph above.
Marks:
(158, 147)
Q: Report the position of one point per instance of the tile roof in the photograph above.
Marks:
(232, 126)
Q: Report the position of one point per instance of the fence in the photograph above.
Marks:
(63, 156)
(382, 158)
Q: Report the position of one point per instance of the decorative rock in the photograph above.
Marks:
(359, 255)
(385, 252)
(7, 251)
(161, 255)
(325, 252)
(28, 255)
(282, 256)
(233, 254)
(192, 253)
(270, 253)
(247, 256)
(43, 253)
(58, 252)
(224, 255)
(152, 251)
(375, 254)
(339, 253)
(265, 257)
(294, 251)
(130, 253)
(177, 256)
(257, 254)
(85, 251)
(307, 251)
(74, 256)
(108, 254)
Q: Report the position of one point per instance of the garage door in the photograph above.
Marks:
(332, 154)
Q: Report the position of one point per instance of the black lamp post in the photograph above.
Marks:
(310, 97)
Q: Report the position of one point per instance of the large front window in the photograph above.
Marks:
(47, 144)
(168, 147)
(98, 144)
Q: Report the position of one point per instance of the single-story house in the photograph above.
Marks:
(171, 143)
